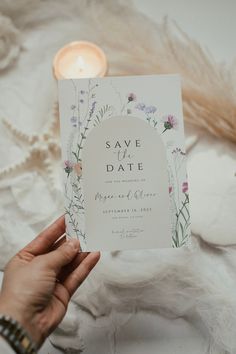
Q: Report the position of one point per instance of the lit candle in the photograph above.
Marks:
(79, 60)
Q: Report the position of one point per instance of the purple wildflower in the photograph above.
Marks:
(68, 163)
(140, 106)
(170, 189)
(150, 109)
(170, 122)
(82, 92)
(131, 97)
(81, 101)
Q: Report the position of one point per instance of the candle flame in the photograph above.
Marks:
(80, 63)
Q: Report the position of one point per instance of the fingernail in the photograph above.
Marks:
(74, 243)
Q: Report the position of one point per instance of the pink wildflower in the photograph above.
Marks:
(185, 187)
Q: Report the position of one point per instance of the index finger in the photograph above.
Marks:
(79, 274)
(44, 241)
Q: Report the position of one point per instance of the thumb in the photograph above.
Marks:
(63, 255)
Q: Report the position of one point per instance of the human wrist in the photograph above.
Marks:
(22, 316)
(16, 336)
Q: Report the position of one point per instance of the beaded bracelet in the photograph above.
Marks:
(16, 336)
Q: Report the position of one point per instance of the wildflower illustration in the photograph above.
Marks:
(180, 199)
(148, 111)
(68, 167)
(104, 112)
(182, 220)
(74, 121)
(140, 106)
(170, 122)
(131, 97)
(87, 112)
(185, 187)
(78, 169)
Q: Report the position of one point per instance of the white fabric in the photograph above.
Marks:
(196, 285)
(5, 347)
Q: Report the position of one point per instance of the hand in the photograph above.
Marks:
(40, 280)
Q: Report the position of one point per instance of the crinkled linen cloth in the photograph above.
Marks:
(153, 301)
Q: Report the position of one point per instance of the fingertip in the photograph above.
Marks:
(96, 255)
(93, 258)
(60, 222)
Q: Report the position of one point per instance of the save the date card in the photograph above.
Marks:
(124, 163)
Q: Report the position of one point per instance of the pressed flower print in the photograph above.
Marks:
(131, 97)
(170, 122)
(68, 167)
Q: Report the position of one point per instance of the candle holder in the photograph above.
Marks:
(80, 59)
